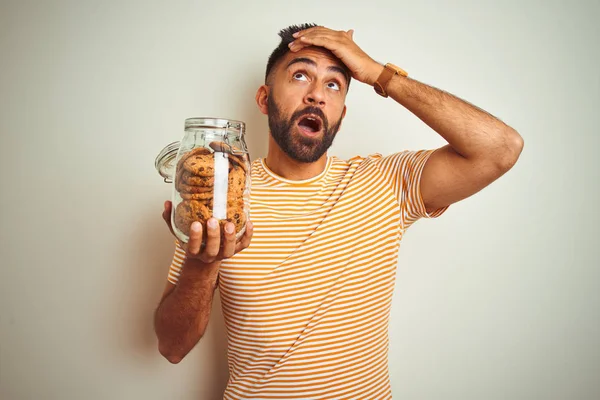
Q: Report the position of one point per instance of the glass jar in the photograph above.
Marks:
(210, 173)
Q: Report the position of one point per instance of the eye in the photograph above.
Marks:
(299, 76)
(333, 85)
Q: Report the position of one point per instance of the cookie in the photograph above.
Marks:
(238, 161)
(237, 182)
(183, 188)
(193, 152)
(179, 169)
(189, 179)
(189, 211)
(201, 165)
(178, 178)
(236, 214)
(197, 196)
(208, 203)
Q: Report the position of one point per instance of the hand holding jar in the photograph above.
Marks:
(218, 245)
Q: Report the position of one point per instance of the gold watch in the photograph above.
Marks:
(389, 71)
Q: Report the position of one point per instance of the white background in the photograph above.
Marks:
(497, 299)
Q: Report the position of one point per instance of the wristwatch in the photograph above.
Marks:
(389, 71)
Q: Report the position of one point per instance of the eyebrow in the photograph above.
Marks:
(333, 68)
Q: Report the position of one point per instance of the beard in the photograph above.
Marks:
(295, 145)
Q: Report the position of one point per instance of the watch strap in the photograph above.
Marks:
(389, 70)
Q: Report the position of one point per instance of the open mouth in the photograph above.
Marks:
(310, 124)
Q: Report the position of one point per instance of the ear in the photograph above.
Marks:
(262, 96)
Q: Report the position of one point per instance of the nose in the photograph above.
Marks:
(315, 95)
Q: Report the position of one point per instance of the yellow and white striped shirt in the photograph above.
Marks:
(307, 304)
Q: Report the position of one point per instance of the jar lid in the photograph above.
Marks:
(165, 161)
(232, 126)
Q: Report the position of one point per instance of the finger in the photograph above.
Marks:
(303, 32)
(321, 32)
(228, 248)
(328, 42)
(166, 211)
(312, 40)
(297, 46)
(213, 239)
(195, 240)
(167, 215)
(313, 30)
(245, 242)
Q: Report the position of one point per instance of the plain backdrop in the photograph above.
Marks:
(497, 299)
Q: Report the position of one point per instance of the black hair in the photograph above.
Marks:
(287, 37)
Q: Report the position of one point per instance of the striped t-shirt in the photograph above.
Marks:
(307, 304)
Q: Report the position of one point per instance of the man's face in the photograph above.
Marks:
(306, 103)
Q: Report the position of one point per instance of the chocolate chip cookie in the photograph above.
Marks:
(237, 182)
(196, 196)
(189, 211)
(201, 165)
(183, 188)
(189, 179)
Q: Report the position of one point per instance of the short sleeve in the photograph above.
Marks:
(176, 264)
(403, 172)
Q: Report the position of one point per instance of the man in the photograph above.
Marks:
(306, 293)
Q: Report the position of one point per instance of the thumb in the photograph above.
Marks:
(350, 33)
(166, 210)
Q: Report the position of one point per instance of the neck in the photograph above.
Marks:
(288, 168)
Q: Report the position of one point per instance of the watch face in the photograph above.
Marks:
(393, 67)
(397, 69)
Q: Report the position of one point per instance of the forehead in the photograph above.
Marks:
(322, 57)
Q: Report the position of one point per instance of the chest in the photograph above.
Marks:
(319, 231)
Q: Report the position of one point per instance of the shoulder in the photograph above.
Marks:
(363, 162)
(359, 159)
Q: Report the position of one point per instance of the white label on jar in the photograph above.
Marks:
(220, 188)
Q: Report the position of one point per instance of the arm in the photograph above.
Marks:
(182, 315)
(184, 310)
(480, 147)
